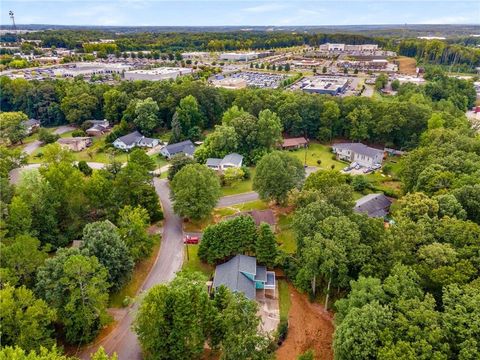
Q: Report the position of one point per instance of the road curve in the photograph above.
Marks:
(34, 145)
(122, 340)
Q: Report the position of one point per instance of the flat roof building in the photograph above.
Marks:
(325, 85)
(239, 56)
(164, 73)
(230, 83)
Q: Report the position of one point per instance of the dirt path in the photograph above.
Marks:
(310, 327)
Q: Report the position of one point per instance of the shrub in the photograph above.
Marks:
(47, 137)
(282, 331)
(79, 133)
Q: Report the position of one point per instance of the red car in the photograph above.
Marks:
(188, 239)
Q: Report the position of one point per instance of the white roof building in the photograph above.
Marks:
(164, 73)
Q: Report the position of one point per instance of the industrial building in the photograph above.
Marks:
(324, 85)
(345, 47)
(163, 73)
(239, 56)
(90, 68)
(195, 55)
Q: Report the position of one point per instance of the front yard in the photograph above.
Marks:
(193, 263)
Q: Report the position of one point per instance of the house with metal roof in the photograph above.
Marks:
(232, 160)
(374, 205)
(185, 147)
(359, 153)
(243, 274)
(129, 141)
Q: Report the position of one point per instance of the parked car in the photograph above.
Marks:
(376, 166)
(367, 170)
(357, 167)
(189, 239)
(347, 168)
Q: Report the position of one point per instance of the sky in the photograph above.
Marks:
(235, 12)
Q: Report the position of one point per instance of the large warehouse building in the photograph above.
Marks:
(164, 73)
(325, 85)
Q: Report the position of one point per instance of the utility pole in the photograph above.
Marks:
(12, 16)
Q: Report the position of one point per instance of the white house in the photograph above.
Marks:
(185, 147)
(229, 161)
(129, 141)
(359, 153)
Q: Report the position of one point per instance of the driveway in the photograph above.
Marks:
(34, 145)
(15, 174)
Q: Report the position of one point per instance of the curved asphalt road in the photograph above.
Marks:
(34, 145)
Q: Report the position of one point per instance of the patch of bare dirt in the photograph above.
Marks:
(310, 326)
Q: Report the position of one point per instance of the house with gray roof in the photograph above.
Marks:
(185, 147)
(374, 205)
(359, 153)
(30, 125)
(97, 127)
(129, 141)
(243, 274)
(232, 160)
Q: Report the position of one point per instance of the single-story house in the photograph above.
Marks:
(98, 127)
(243, 274)
(259, 216)
(75, 143)
(294, 143)
(233, 160)
(186, 147)
(359, 153)
(31, 125)
(129, 141)
(374, 205)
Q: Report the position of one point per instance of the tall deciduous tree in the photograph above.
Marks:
(26, 321)
(266, 245)
(76, 286)
(133, 223)
(278, 173)
(195, 191)
(115, 103)
(101, 239)
(12, 129)
(146, 115)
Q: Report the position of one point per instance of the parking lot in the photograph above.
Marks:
(260, 80)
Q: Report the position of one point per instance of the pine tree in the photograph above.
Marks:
(266, 245)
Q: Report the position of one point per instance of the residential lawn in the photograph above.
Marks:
(193, 263)
(197, 225)
(285, 235)
(140, 272)
(315, 152)
(159, 160)
(240, 187)
(252, 205)
(284, 299)
(67, 134)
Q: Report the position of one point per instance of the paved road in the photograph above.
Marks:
(237, 199)
(122, 339)
(34, 145)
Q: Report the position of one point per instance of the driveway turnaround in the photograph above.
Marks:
(34, 145)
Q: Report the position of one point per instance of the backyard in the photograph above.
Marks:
(193, 263)
(318, 155)
(240, 186)
(285, 236)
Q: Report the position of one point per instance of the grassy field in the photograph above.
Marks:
(406, 65)
(318, 152)
(239, 187)
(193, 263)
(285, 236)
(139, 274)
(284, 299)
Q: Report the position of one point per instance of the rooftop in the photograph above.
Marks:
(131, 138)
(359, 148)
(374, 205)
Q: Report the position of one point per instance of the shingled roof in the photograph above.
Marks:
(374, 205)
(359, 148)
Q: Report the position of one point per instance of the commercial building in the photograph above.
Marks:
(164, 73)
(324, 85)
(247, 56)
(90, 68)
(195, 55)
(344, 47)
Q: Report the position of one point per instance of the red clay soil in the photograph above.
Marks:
(309, 327)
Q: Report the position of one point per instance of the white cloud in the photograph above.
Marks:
(265, 8)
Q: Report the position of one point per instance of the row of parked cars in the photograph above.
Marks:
(366, 170)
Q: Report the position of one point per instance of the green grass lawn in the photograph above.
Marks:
(142, 268)
(197, 225)
(240, 187)
(252, 205)
(284, 299)
(285, 235)
(193, 263)
(316, 152)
